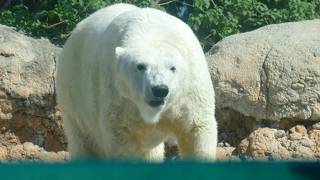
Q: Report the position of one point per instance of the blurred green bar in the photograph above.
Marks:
(170, 170)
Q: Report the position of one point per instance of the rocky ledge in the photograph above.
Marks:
(267, 85)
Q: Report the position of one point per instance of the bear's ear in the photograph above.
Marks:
(119, 51)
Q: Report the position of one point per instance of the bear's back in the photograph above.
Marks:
(101, 19)
(142, 22)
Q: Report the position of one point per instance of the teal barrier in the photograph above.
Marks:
(173, 170)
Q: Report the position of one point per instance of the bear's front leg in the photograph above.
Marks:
(198, 141)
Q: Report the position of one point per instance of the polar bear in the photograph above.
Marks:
(127, 79)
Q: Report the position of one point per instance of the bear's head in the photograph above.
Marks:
(150, 76)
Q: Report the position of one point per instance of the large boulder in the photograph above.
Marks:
(270, 74)
(27, 103)
(267, 85)
(27, 68)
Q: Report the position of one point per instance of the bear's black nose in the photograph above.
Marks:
(160, 91)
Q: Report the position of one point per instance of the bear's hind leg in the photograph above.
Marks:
(156, 154)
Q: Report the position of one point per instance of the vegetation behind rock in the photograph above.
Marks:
(211, 20)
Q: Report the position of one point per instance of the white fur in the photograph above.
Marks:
(104, 97)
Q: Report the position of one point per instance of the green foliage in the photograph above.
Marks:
(210, 19)
(214, 19)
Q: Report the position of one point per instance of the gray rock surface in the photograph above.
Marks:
(271, 73)
(27, 103)
(27, 68)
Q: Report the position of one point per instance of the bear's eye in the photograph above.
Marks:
(173, 69)
(141, 67)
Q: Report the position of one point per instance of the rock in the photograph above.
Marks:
(27, 68)
(300, 129)
(266, 144)
(297, 132)
(267, 86)
(272, 73)
(60, 156)
(29, 152)
(314, 135)
(233, 127)
(316, 126)
(15, 153)
(28, 111)
(28, 146)
(226, 154)
(22, 128)
(171, 150)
